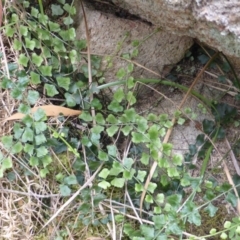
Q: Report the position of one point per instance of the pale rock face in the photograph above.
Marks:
(214, 22)
(156, 50)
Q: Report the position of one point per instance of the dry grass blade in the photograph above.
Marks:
(50, 110)
(234, 160)
(169, 132)
(89, 60)
(230, 180)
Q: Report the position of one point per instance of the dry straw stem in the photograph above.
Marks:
(89, 61)
(169, 132)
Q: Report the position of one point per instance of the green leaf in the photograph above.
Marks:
(51, 90)
(6, 163)
(127, 163)
(23, 60)
(67, 20)
(223, 112)
(231, 198)
(181, 121)
(97, 129)
(86, 142)
(145, 158)
(167, 148)
(112, 130)
(39, 139)
(7, 141)
(18, 131)
(112, 150)
(65, 190)
(153, 132)
(28, 148)
(115, 106)
(56, 10)
(130, 82)
(30, 43)
(151, 187)
(100, 119)
(43, 19)
(70, 180)
(23, 30)
(35, 78)
(121, 73)
(17, 45)
(27, 120)
(104, 173)
(34, 12)
(111, 119)
(139, 138)
(134, 53)
(130, 67)
(9, 31)
(160, 198)
(131, 98)
(54, 27)
(86, 116)
(70, 99)
(34, 161)
(17, 148)
(27, 135)
(142, 124)
(41, 151)
(174, 200)
(23, 108)
(147, 231)
(141, 175)
(96, 104)
(119, 95)
(68, 35)
(126, 130)
(104, 184)
(172, 172)
(139, 187)
(37, 60)
(160, 221)
(177, 159)
(39, 115)
(102, 156)
(118, 182)
(40, 127)
(211, 210)
(116, 169)
(46, 160)
(149, 198)
(63, 82)
(73, 55)
(70, 9)
(32, 97)
(46, 70)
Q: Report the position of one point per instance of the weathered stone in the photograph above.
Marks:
(214, 22)
(157, 48)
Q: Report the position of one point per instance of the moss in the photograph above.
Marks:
(208, 222)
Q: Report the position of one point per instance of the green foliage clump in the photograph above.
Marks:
(114, 138)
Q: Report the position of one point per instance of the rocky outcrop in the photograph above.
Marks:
(113, 36)
(214, 22)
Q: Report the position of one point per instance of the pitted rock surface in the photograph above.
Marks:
(107, 31)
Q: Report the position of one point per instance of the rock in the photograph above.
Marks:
(214, 22)
(112, 36)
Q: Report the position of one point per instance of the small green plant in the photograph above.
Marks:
(113, 134)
